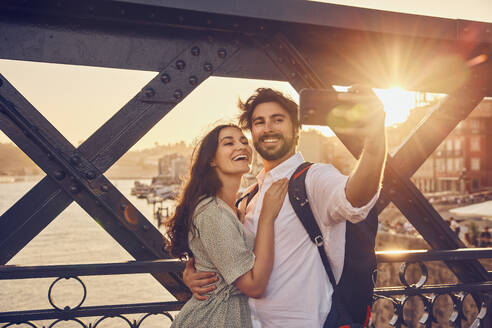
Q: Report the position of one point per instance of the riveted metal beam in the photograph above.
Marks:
(79, 172)
(347, 45)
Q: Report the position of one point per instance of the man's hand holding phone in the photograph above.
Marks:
(357, 112)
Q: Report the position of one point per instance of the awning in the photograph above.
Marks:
(481, 209)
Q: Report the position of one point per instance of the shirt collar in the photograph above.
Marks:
(283, 170)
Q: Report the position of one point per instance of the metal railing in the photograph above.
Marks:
(398, 296)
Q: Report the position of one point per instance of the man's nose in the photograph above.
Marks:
(269, 125)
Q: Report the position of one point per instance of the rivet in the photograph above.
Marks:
(181, 18)
(152, 15)
(207, 67)
(104, 187)
(59, 174)
(210, 39)
(74, 189)
(193, 80)
(91, 8)
(466, 29)
(149, 92)
(262, 28)
(164, 249)
(392, 191)
(280, 60)
(90, 175)
(75, 160)
(146, 227)
(209, 21)
(180, 65)
(487, 30)
(235, 25)
(195, 51)
(50, 157)
(165, 78)
(122, 12)
(222, 53)
(178, 94)
(410, 201)
(123, 206)
(293, 74)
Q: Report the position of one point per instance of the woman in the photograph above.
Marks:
(207, 226)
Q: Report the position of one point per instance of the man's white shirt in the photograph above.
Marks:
(298, 293)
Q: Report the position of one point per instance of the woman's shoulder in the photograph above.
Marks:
(212, 207)
(206, 207)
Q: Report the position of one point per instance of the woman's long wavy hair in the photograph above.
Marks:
(201, 183)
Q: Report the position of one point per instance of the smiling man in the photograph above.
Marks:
(299, 292)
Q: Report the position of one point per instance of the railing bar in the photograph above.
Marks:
(434, 255)
(131, 267)
(91, 311)
(438, 289)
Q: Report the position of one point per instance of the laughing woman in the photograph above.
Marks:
(207, 226)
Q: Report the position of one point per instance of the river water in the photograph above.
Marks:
(75, 238)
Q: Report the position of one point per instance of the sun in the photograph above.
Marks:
(397, 103)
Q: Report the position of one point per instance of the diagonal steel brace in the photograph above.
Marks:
(85, 165)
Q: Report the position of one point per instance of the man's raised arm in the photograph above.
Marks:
(366, 115)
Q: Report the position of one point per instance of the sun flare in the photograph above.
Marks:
(397, 103)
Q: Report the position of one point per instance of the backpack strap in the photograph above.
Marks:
(249, 195)
(300, 203)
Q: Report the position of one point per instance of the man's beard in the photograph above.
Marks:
(272, 155)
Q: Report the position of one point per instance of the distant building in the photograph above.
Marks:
(463, 161)
(172, 168)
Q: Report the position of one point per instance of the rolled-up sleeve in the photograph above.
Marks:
(325, 187)
(224, 243)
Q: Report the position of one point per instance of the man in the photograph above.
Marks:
(299, 292)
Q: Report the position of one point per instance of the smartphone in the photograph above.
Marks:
(315, 105)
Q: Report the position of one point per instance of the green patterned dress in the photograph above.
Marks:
(223, 246)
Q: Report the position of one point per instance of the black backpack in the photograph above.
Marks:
(353, 295)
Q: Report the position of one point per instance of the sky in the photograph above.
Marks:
(78, 100)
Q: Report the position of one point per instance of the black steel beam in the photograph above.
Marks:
(99, 269)
(77, 177)
(91, 311)
(223, 14)
(433, 255)
(181, 76)
(478, 287)
(377, 48)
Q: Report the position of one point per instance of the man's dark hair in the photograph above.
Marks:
(264, 95)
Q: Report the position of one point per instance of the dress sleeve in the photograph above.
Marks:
(325, 187)
(223, 240)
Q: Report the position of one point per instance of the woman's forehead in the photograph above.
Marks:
(230, 132)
